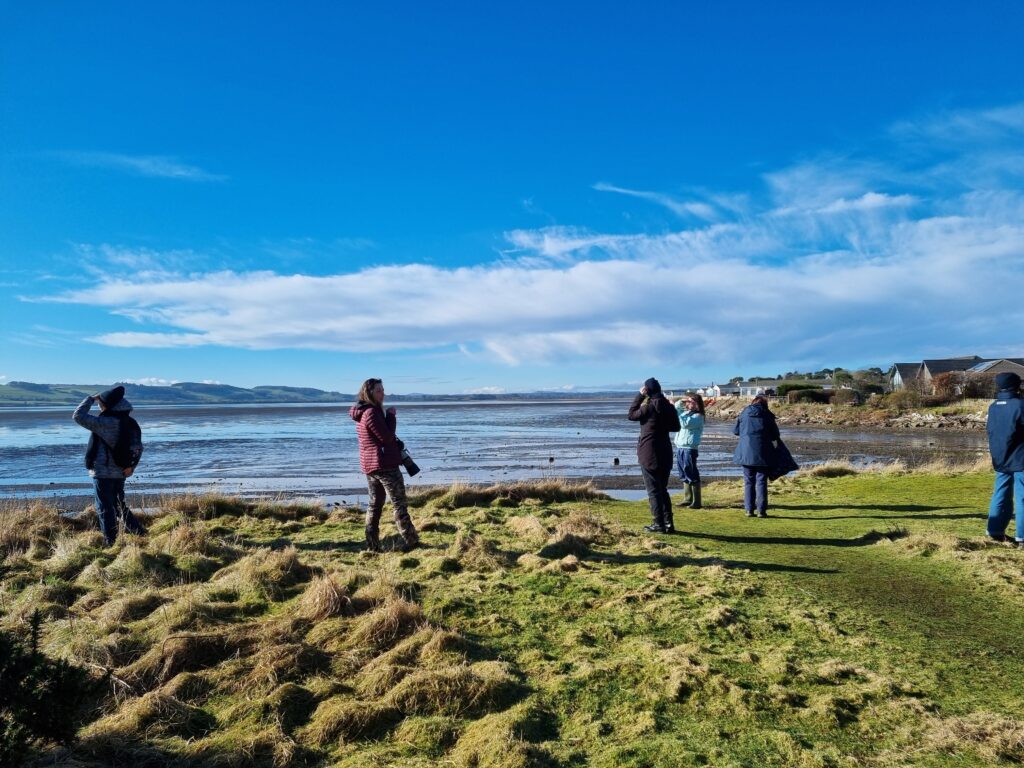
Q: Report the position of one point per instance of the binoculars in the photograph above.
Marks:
(410, 466)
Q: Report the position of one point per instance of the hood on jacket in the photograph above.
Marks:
(356, 411)
(122, 406)
(1008, 381)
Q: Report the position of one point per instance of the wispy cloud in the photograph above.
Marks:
(152, 381)
(159, 166)
(835, 259)
(485, 391)
(686, 208)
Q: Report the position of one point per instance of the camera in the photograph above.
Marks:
(410, 466)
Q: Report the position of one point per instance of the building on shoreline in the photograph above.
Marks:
(920, 376)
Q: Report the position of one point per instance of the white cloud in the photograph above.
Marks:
(869, 201)
(832, 260)
(698, 209)
(485, 391)
(151, 381)
(142, 165)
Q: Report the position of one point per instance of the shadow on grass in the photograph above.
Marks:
(871, 537)
(908, 509)
(675, 561)
(283, 542)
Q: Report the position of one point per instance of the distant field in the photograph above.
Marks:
(866, 623)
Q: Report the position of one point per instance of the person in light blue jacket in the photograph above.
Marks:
(687, 440)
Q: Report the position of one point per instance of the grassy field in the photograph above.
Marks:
(866, 623)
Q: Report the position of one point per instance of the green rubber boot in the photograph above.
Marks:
(687, 494)
(695, 504)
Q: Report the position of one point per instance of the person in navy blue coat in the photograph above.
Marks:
(1006, 445)
(757, 453)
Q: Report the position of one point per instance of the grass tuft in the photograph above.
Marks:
(344, 720)
(380, 629)
(455, 690)
(477, 553)
(325, 597)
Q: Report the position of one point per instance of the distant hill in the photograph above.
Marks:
(25, 393)
(29, 394)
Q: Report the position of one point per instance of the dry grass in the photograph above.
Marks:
(831, 468)
(265, 573)
(154, 714)
(994, 737)
(584, 526)
(477, 553)
(428, 735)
(276, 663)
(380, 629)
(22, 525)
(529, 528)
(460, 496)
(132, 607)
(326, 596)
(70, 553)
(502, 740)
(454, 690)
(186, 653)
(135, 566)
(372, 591)
(340, 719)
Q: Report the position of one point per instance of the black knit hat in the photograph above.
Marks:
(112, 396)
(1008, 381)
(652, 386)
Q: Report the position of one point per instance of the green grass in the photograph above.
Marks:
(865, 623)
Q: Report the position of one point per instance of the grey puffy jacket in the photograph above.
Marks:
(106, 429)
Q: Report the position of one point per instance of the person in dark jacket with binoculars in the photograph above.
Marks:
(381, 454)
(657, 417)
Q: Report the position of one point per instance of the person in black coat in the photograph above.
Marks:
(657, 417)
(757, 453)
(1006, 445)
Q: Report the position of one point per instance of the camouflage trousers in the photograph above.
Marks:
(388, 482)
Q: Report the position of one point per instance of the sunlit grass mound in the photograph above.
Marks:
(537, 626)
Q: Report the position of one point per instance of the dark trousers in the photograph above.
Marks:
(755, 489)
(111, 508)
(686, 465)
(656, 483)
(388, 483)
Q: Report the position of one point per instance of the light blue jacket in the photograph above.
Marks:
(692, 424)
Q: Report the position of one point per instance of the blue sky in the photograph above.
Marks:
(470, 197)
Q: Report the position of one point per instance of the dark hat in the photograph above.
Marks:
(1007, 381)
(112, 396)
(652, 386)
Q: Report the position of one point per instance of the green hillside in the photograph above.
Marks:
(23, 393)
(866, 623)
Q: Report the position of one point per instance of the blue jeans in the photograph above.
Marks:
(111, 507)
(1009, 489)
(656, 482)
(686, 465)
(755, 489)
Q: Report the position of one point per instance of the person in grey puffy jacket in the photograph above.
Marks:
(108, 476)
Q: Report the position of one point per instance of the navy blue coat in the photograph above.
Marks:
(757, 429)
(1006, 432)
